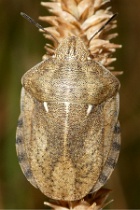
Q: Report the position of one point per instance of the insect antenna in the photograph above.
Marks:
(102, 27)
(31, 20)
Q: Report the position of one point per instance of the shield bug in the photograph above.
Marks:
(68, 135)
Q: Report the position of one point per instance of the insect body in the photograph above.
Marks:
(68, 135)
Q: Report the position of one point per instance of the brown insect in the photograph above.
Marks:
(68, 135)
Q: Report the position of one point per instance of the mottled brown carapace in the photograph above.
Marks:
(68, 135)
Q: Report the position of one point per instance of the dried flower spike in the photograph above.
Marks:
(82, 18)
(68, 134)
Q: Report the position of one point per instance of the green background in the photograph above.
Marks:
(21, 47)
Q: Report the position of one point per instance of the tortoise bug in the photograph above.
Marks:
(68, 134)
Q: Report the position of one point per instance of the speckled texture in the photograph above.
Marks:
(68, 127)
